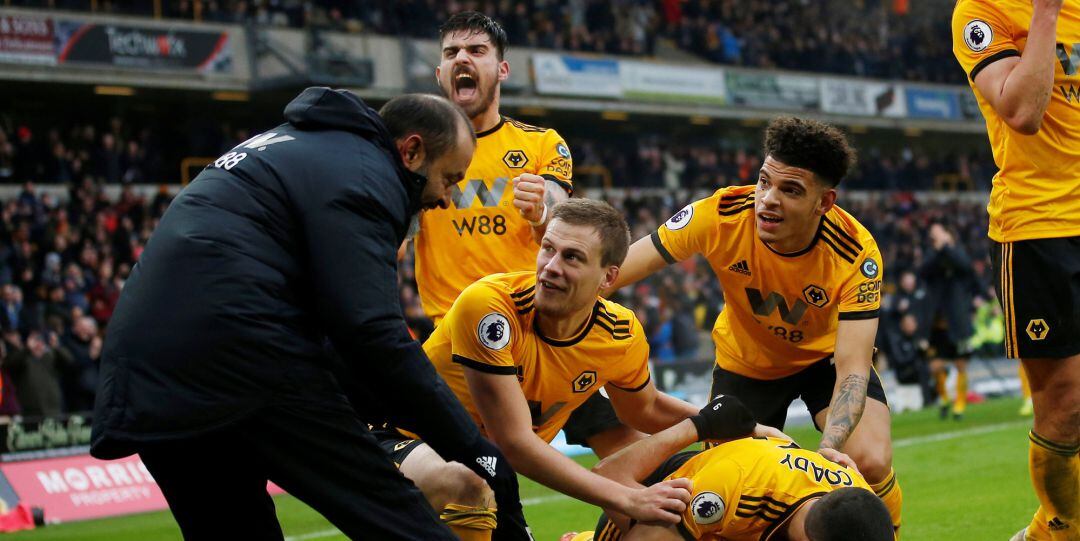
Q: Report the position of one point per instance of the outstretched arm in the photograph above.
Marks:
(505, 414)
(724, 419)
(643, 259)
(633, 463)
(648, 409)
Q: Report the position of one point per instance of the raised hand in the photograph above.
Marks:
(529, 191)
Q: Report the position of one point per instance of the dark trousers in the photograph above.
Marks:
(216, 483)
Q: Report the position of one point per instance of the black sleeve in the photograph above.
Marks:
(352, 246)
(931, 260)
(64, 358)
(16, 360)
(960, 260)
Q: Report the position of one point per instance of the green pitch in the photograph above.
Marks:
(962, 481)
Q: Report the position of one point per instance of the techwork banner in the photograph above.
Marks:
(143, 47)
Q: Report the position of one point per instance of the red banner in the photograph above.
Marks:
(83, 487)
(28, 40)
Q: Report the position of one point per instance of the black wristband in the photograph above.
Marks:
(725, 418)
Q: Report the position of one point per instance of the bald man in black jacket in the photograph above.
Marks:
(215, 368)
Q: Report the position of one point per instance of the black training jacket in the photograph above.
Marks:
(286, 241)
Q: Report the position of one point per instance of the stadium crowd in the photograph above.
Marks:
(867, 38)
(655, 161)
(118, 151)
(113, 153)
(62, 266)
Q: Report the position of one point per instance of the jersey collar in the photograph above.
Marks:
(502, 120)
(779, 523)
(571, 341)
(813, 242)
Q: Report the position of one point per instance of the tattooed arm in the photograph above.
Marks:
(853, 358)
(535, 197)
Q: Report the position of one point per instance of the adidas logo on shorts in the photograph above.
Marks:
(1056, 524)
(740, 267)
(488, 463)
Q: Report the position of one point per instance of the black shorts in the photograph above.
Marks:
(941, 347)
(395, 443)
(596, 415)
(606, 530)
(1038, 285)
(769, 399)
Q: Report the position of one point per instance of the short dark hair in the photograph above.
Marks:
(608, 222)
(475, 22)
(437, 120)
(808, 144)
(849, 514)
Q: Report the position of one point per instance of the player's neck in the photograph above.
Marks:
(564, 328)
(796, 243)
(487, 119)
(795, 529)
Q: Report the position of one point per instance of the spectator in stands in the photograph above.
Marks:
(14, 315)
(80, 379)
(56, 312)
(989, 337)
(661, 348)
(9, 402)
(109, 159)
(133, 163)
(901, 303)
(907, 357)
(35, 372)
(684, 330)
(28, 161)
(7, 158)
(51, 273)
(946, 314)
(105, 293)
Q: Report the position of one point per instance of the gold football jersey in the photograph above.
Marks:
(781, 311)
(491, 328)
(482, 232)
(747, 489)
(1036, 192)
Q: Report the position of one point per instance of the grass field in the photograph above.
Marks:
(962, 481)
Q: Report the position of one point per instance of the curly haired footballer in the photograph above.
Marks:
(811, 145)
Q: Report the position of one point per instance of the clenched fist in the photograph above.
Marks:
(529, 192)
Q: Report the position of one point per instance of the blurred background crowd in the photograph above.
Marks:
(122, 151)
(871, 38)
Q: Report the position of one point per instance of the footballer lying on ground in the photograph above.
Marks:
(750, 488)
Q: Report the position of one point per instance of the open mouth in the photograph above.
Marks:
(545, 284)
(769, 220)
(465, 85)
